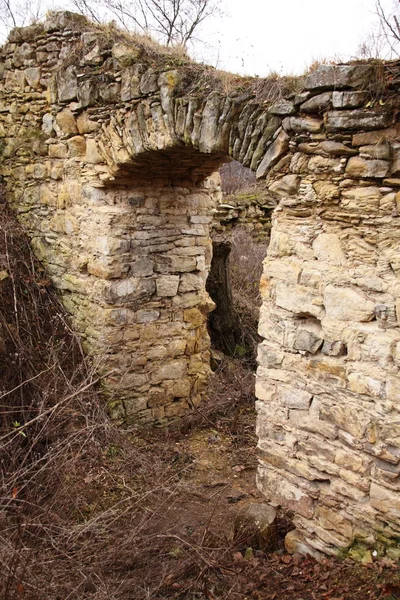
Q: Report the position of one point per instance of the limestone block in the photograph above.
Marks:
(338, 120)
(360, 167)
(58, 151)
(344, 304)
(129, 290)
(282, 108)
(292, 397)
(167, 285)
(77, 146)
(298, 300)
(334, 520)
(281, 492)
(376, 151)
(326, 190)
(124, 54)
(85, 124)
(67, 86)
(299, 163)
(327, 148)
(93, 155)
(347, 490)
(327, 247)
(393, 389)
(47, 126)
(347, 417)
(338, 77)
(349, 99)
(361, 199)
(23, 53)
(66, 121)
(142, 267)
(317, 103)
(277, 149)
(190, 282)
(110, 246)
(395, 167)
(313, 424)
(175, 369)
(322, 164)
(295, 543)
(286, 270)
(301, 124)
(360, 383)
(286, 186)
(308, 339)
(149, 82)
(147, 316)
(385, 501)
(352, 461)
(33, 75)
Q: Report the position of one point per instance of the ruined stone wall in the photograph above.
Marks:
(328, 382)
(129, 253)
(107, 151)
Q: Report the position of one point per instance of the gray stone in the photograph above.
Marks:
(360, 167)
(282, 108)
(338, 120)
(286, 186)
(327, 148)
(317, 103)
(338, 77)
(167, 285)
(349, 99)
(277, 149)
(255, 527)
(67, 85)
(130, 290)
(300, 124)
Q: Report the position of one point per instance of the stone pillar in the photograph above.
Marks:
(328, 382)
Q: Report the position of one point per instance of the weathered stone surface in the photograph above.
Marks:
(107, 162)
(361, 167)
(327, 148)
(255, 526)
(283, 108)
(338, 120)
(298, 300)
(345, 304)
(317, 103)
(338, 77)
(349, 99)
(299, 124)
(277, 149)
(287, 186)
(327, 247)
(66, 121)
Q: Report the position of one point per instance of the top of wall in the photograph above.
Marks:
(168, 103)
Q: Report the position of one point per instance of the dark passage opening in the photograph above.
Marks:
(233, 284)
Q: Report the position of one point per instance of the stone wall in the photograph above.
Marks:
(108, 147)
(328, 382)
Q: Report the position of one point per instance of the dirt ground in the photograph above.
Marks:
(200, 557)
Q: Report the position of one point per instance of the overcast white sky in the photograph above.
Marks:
(255, 37)
(258, 36)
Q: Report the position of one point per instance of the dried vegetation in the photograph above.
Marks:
(89, 511)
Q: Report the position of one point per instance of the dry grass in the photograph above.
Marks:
(246, 260)
(89, 510)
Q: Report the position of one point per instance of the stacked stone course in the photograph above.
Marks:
(328, 384)
(107, 155)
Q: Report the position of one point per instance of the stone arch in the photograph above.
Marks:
(107, 151)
